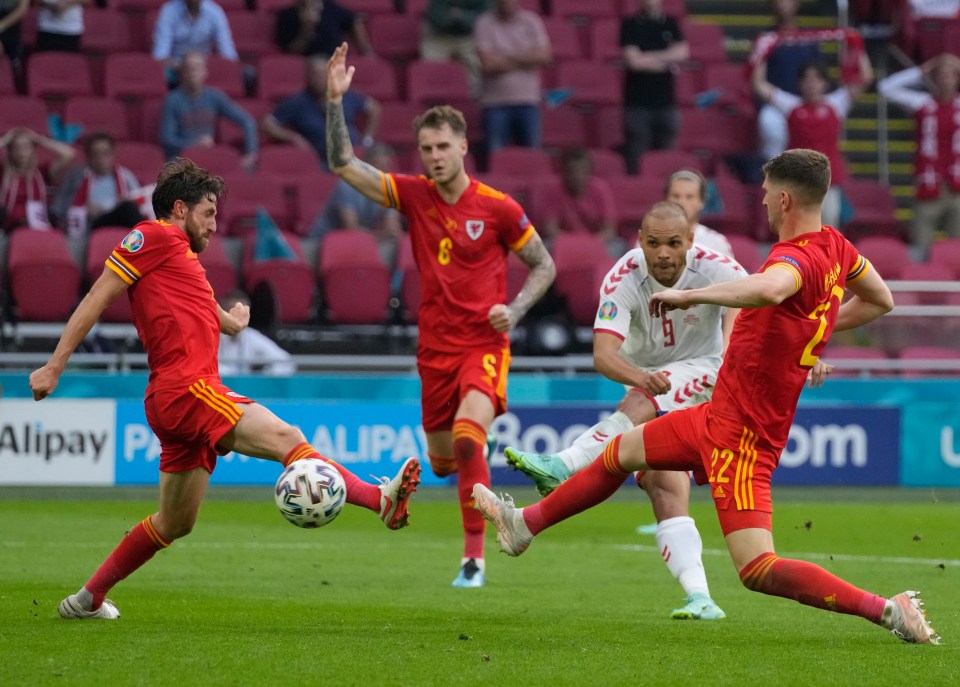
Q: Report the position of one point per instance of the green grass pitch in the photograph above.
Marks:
(248, 599)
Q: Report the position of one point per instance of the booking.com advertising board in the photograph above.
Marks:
(105, 442)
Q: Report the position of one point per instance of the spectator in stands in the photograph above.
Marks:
(59, 25)
(190, 113)
(652, 46)
(447, 33)
(301, 119)
(688, 189)
(23, 185)
(815, 119)
(317, 27)
(96, 194)
(917, 19)
(784, 50)
(186, 26)
(937, 162)
(250, 351)
(347, 208)
(12, 13)
(578, 203)
(513, 45)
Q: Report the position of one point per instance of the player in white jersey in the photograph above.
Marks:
(664, 364)
(689, 189)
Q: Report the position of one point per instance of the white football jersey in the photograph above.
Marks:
(650, 343)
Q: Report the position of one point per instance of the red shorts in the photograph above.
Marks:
(445, 378)
(190, 421)
(728, 457)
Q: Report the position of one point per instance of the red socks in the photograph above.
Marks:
(469, 439)
(134, 550)
(359, 493)
(810, 585)
(595, 483)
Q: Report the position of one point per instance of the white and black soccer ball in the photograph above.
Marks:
(310, 493)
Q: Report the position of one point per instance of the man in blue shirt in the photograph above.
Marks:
(190, 113)
(301, 119)
(191, 26)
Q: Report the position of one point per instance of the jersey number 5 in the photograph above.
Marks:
(808, 359)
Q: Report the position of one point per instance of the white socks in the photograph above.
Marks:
(589, 445)
(681, 549)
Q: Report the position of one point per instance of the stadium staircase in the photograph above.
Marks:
(876, 147)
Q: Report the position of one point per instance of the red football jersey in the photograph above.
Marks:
(173, 305)
(772, 348)
(461, 255)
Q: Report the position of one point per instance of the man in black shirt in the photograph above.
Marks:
(652, 44)
(318, 27)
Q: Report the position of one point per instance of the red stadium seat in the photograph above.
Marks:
(7, 87)
(231, 134)
(59, 75)
(148, 115)
(374, 78)
(22, 110)
(929, 353)
(520, 162)
(310, 195)
(245, 194)
(221, 272)
(887, 255)
(833, 353)
(397, 131)
(226, 75)
(928, 272)
(366, 7)
(734, 216)
(279, 76)
(687, 85)
(746, 251)
(662, 163)
(437, 83)
(100, 244)
(705, 41)
(354, 281)
(947, 252)
(291, 281)
(590, 83)
(133, 75)
(563, 127)
(96, 113)
(44, 280)
(605, 40)
(634, 196)
(288, 163)
(252, 33)
(410, 296)
(270, 7)
(106, 30)
(715, 133)
(730, 84)
(564, 39)
(396, 36)
(582, 12)
(216, 159)
(582, 260)
(143, 159)
(608, 127)
(874, 210)
(607, 163)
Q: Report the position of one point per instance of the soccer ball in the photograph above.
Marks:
(310, 493)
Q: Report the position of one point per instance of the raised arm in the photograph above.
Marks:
(758, 79)
(366, 178)
(103, 292)
(542, 273)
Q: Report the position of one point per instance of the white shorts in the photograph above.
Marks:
(691, 383)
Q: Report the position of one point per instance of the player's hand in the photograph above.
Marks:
(818, 373)
(43, 382)
(238, 317)
(655, 384)
(501, 318)
(663, 302)
(339, 75)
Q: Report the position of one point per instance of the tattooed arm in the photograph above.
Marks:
(367, 179)
(542, 272)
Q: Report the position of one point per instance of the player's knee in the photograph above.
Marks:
(176, 527)
(667, 493)
(443, 466)
(290, 435)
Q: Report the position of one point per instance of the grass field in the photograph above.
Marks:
(248, 599)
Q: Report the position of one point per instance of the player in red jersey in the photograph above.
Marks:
(461, 231)
(733, 441)
(193, 414)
